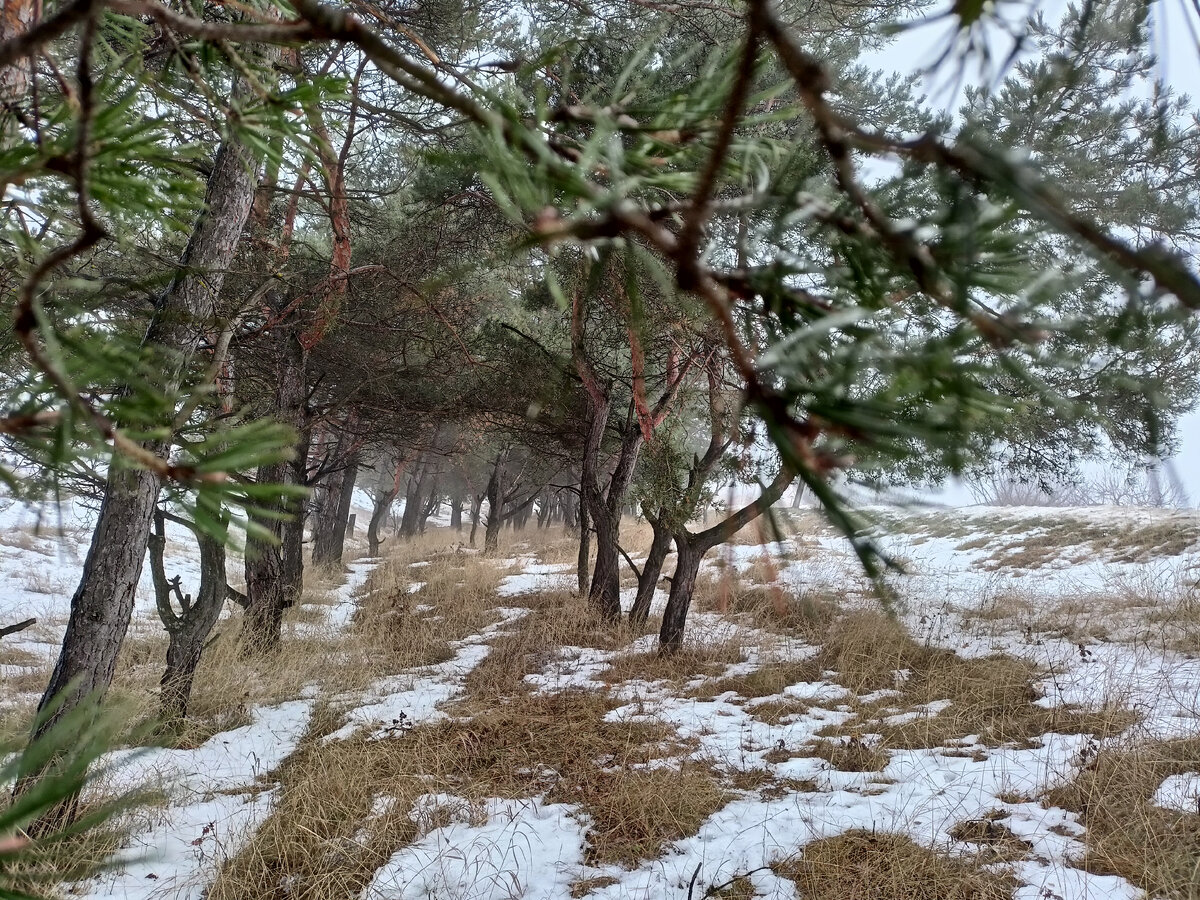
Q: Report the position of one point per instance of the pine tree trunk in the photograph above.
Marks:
(651, 572)
(18, 17)
(429, 507)
(690, 549)
(189, 630)
(345, 504)
(384, 498)
(275, 571)
(683, 584)
(605, 593)
(411, 517)
(456, 505)
(582, 560)
(329, 528)
(495, 498)
(103, 603)
(476, 506)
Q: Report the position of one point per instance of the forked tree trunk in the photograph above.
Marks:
(690, 549)
(187, 630)
(495, 498)
(333, 503)
(660, 546)
(384, 498)
(329, 527)
(429, 507)
(456, 505)
(103, 603)
(410, 519)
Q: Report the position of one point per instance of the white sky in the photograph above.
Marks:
(1175, 29)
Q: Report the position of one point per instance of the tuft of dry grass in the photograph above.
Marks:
(994, 841)
(678, 667)
(557, 620)
(1127, 834)
(767, 680)
(861, 865)
(851, 754)
(635, 814)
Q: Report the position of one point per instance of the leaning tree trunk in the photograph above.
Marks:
(187, 630)
(690, 550)
(660, 545)
(384, 498)
(275, 569)
(103, 603)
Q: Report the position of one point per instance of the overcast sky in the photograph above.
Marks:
(1175, 26)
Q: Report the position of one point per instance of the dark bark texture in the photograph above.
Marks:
(275, 570)
(189, 628)
(103, 603)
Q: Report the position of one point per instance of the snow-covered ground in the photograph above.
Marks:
(1097, 599)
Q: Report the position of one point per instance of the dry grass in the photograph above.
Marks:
(992, 697)
(323, 840)
(1155, 848)
(851, 754)
(635, 814)
(860, 865)
(767, 680)
(775, 712)
(1133, 542)
(992, 839)
(686, 665)
(557, 620)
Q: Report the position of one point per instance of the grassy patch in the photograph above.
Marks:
(328, 833)
(851, 754)
(765, 681)
(992, 697)
(635, 814)
(860, 865)
(682, 666)
(1128, 835)
(994, 841)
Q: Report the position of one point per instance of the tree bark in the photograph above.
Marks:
(384, 498)
(690, 549)
(410, 519)
(495, 498)
(683, 584)
(189, 629)
(275, 569)
(583, 561)
(660, 545)
(103, 603)
(430, 506)
(18, 17)
(333, 502)
(476, 506)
